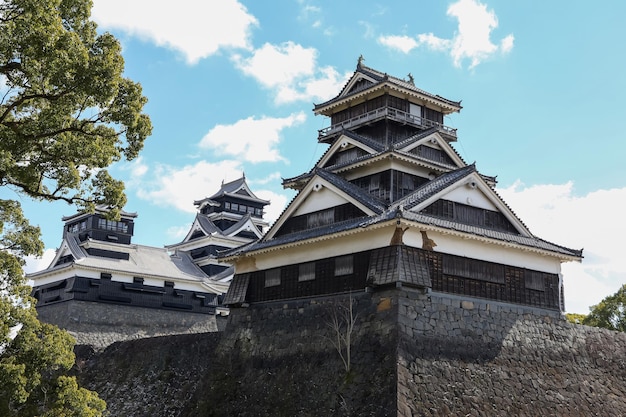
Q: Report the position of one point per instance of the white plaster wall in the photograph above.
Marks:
(191, 285)
(365, 240)
(320, 200)
(476, 197)
(456, 245)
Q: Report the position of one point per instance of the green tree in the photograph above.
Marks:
(66, 113)
(610, 313)
(575, 318)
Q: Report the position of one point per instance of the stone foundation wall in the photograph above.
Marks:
(278, 359)
(413, 354)
(461, 356)
(285, 327)
(99, 324)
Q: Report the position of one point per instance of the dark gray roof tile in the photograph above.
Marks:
(427, 190)
(352, 190)
(380, 77)
(530, 241)
(237, 290)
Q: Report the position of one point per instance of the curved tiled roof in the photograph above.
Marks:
(373, 203)
(432, 187)
(529, 241)
(380, 78)
(399, 210)
(207, 225)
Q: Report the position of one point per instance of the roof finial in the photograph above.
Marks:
(243, 175)
(411, 80)
(360, 61)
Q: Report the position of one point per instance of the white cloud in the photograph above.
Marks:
(274, 66)
(291, 70)
(177, 233)
(179, 187)
(253, 140)
(472, 39)
(278, 202)
(506, 44)
(370, 31)
(35, 264)
(433, 42)
(555, 213)
(196, 29)
(402, 43)
(274, 176)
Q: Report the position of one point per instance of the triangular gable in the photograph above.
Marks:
(473, 191)
(63, 251)
(204, 226)
(324, 190)
(244, 225)
(343, 144)
(238, 187)
(442, 151)
(357, 82)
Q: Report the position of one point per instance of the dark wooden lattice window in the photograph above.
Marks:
(474, 216)
(320, 218)
(432, 154)
(535, 280)
(344, 265)
(272, 277)
(433, 115)
(474, 269)
(306, 271)
(397, 103)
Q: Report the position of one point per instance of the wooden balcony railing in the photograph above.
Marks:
(389, 113)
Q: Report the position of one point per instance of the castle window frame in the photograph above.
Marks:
(344, 265)
(272, 277)
(321, 218)
(112, 225)
(306, 271)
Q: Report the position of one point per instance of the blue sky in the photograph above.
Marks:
(231, 85)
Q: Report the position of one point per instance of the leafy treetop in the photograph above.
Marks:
(66, 111)
(610, 313)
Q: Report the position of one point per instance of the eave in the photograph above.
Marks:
(330, 107)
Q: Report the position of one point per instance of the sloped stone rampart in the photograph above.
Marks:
(414, 354)
(99, 325)
(475, 358)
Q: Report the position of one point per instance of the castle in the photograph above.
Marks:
(396, 282)
(392, 204)
(103, 288)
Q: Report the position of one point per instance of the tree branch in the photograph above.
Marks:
(27, 97)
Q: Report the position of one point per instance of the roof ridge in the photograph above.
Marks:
(425, 191)
(352, 190)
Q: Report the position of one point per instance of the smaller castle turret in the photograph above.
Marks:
(96, 226)
(100, 280)
(228, 219)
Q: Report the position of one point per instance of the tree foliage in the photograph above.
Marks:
(610, 313)
(575, 318)
(66, 113)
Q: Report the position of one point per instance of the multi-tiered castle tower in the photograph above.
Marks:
(392, 204)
